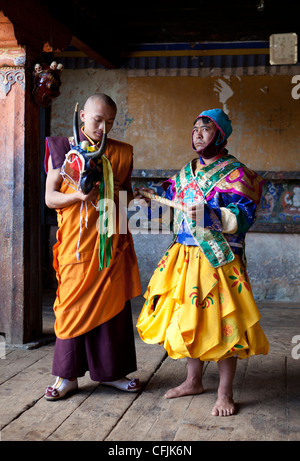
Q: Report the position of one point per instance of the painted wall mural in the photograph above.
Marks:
(280, 203)
(279, 209)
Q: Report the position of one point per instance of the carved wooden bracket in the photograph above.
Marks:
(9, 76)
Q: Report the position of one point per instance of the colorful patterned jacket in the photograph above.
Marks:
(230, 192)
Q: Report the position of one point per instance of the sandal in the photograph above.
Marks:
(124, 384)
(60, 388)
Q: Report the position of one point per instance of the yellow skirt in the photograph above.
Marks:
(195, 310)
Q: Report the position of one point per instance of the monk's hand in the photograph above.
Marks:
(92, 196)
(196, 213)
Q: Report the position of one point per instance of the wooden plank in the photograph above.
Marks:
(17, 360)
(97, 414)
(198, 423)
(102, 411)
(25, 388)
(277, 315)
(152, 416)
(40, 418)
(265, 413)
(262, 415)
(266, 389)
(259, 391)
(26, 415)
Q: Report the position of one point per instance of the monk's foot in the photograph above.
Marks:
(186, 388)
(61, 388)
(124, 384)
(224, 406)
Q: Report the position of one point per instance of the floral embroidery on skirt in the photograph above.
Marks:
(195, 310)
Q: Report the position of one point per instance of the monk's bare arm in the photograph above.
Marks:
(56, 199)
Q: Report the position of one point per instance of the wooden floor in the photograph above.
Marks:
(267, 390)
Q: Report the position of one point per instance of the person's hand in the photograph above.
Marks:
(91, 196)
(196, 213)
(138, 196)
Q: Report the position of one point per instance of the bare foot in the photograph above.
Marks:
(224, 406)
(186, 388)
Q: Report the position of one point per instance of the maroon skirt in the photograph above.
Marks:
(107, 351)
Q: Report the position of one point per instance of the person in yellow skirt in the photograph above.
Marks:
(199, 303)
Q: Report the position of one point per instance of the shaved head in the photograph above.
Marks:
(98, 114)
(101, 97)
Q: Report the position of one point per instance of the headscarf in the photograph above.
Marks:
(219, 140)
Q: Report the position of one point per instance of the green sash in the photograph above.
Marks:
(212, 243)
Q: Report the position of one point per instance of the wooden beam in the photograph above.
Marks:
(20, 283)
(34, 25)
(91, 53)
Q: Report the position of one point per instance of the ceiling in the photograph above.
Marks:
(108, 29)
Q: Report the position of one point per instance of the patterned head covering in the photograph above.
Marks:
(223, 131)
(220, 119)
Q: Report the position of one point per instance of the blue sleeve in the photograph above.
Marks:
(245, 212)
(169, 192)
(212, 218)
(242, 207)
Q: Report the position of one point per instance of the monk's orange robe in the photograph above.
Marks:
(87, 297)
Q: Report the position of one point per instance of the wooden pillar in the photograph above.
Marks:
(20, 276)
